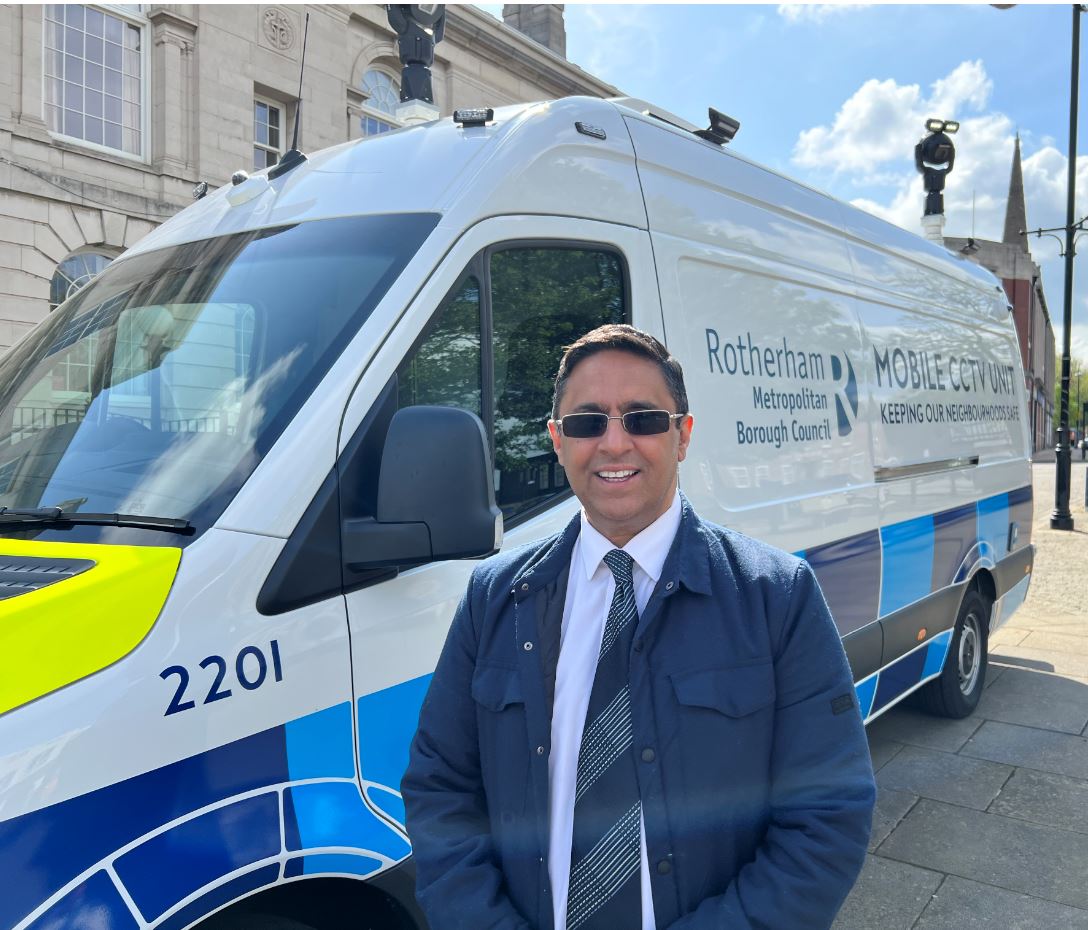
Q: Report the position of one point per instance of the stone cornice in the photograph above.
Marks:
(165, 16)
(485, 35)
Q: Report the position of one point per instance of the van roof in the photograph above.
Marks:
(436, 166)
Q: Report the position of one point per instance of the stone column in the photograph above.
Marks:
(28, 78)
(356, 99)
(172, 86)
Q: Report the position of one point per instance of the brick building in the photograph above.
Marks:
(1010, 259)
(110, 114)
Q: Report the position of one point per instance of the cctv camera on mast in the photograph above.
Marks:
(419, 27)
(934, 157)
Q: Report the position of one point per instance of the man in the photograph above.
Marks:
(647, 720)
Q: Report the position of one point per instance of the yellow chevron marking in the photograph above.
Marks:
(73, 628)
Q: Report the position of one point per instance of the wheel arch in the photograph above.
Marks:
(330, 903)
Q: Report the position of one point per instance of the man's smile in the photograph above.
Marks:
(617, 475)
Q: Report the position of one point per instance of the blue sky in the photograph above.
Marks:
(836, 96)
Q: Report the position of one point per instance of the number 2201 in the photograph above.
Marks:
(250, 670)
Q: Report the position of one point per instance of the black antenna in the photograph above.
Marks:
(292, 158)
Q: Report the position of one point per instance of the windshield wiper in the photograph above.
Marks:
(56, 516)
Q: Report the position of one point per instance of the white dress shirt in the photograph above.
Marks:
(590, 586)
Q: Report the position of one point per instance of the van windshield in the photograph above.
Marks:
(157, 389)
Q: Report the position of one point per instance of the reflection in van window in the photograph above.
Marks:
(542, 299)
(445, 368)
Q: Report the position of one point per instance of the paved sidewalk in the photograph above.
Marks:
(983, 822)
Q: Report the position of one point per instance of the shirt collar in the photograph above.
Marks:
(649, 548)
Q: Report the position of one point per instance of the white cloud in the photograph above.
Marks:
(883, 120)
(815, 12)
(867, 153)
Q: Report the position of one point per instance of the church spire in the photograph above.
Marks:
(1016, 212)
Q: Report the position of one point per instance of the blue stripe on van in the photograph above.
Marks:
(47, 848)
(849, 574)
(223, 894)
(993, 524)
(866, 691)
(330, 864)
(954, 535)
(94, 903)
(387, 722)
(333, 814)
(907, 566)
(171, 866)
(320, 745)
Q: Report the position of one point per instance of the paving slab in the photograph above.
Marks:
(944, 776)
(1032, 698)
(881, 748)
(891, 807)
(1041, 750)
(994, 672)
(1042, 660)
(968, 905)
(1053, 641)
(906, 725)
(1045, 799)
(889, 895)
(1008, 636)
(994, 850)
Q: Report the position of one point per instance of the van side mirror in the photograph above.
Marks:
(436, 499)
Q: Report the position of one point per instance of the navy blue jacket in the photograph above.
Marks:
(757, 791)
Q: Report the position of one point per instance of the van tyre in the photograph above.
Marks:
(956, 691)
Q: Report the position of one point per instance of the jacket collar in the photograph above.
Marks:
(688, 561)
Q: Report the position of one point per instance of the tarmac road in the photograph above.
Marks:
(983, 822)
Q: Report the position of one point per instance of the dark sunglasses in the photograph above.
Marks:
(637, 423)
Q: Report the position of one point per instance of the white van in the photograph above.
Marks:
(242, 493)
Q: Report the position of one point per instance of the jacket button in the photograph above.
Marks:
(664, 867)
(525, 586)
(528, 647)
(648, 755)
(669, 586)
(540, 750)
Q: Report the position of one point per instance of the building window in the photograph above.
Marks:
(383, 95)
(267, 134)
(94, 77)
(74, 272)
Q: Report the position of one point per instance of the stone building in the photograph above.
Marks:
(1010, 259)
(111, 114)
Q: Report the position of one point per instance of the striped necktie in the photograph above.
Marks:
(605, 892)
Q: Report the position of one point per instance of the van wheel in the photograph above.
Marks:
(956, 691)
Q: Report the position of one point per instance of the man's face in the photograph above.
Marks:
(623, 481)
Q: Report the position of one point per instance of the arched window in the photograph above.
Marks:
(383, 95)
(72, 273)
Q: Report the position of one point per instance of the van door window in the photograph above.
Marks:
(542, 299)
(444, 369)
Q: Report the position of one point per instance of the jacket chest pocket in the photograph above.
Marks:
(504, 741)
(725, 718)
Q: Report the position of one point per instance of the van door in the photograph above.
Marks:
(486, 334)
(757, 296)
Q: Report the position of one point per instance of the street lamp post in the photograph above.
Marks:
(1060, 517)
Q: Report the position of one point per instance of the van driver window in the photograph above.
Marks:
(444, 369)
(542, 299)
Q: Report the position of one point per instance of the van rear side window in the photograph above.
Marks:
(494, 347)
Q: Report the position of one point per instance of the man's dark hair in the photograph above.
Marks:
(622, 338)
